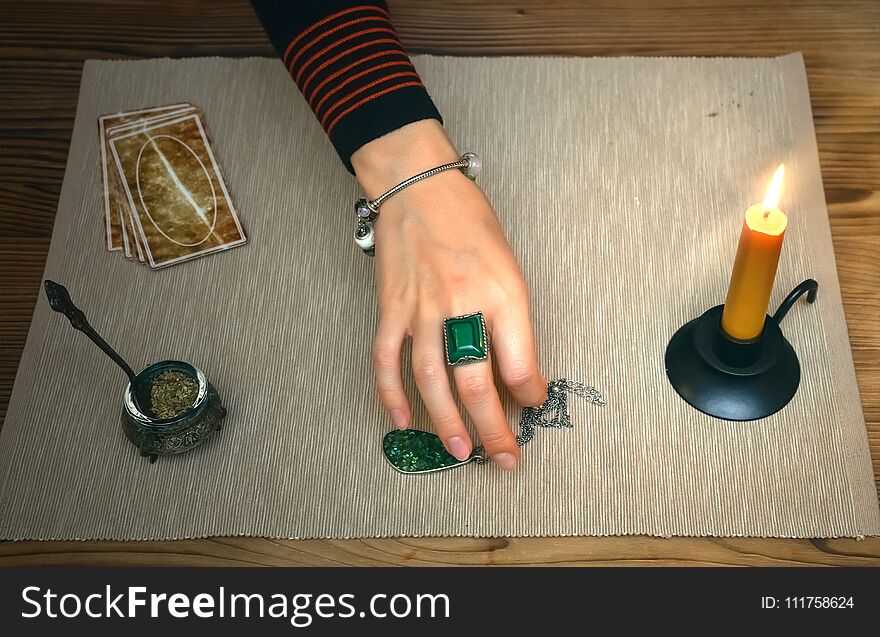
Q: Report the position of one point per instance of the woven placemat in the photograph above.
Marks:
(621, 184)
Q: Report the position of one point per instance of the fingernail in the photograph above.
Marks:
(398, 418)
(458, 447)
(506, 461)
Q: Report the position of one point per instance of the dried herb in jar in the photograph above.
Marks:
(172, 393)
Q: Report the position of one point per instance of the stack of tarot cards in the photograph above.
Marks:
(165, 200)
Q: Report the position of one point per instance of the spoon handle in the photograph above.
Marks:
(59, 300)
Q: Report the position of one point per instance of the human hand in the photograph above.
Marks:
(441, 252)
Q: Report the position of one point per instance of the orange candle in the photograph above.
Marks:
(754, 269)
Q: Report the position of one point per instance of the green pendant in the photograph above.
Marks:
(415, 451)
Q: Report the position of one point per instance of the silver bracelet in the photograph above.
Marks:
(367, 210)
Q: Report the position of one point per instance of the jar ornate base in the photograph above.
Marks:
(154, 437)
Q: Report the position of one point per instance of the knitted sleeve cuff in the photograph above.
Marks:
(350, 66)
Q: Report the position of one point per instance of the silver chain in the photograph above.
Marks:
(553, 413)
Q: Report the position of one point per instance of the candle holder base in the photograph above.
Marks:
(735, 380)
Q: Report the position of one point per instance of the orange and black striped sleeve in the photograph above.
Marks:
(348, 62)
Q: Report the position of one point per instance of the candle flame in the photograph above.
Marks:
(771, 199)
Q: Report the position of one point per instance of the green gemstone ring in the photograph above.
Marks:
(464, 339)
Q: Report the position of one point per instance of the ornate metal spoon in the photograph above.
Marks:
(59, 300)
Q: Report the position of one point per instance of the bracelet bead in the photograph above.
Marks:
(474, 166)
(363, 210)
(365, 237)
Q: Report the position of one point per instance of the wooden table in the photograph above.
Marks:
(44, 44)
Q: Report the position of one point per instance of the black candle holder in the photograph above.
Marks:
(731, 379)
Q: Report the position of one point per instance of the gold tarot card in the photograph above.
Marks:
(117, 196)
(115, 205)
(175, 191)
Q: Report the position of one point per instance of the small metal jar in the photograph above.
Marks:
(156, 437)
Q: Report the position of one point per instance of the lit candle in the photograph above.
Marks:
(754, 269)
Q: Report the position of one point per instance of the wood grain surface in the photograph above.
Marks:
(42, 48)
